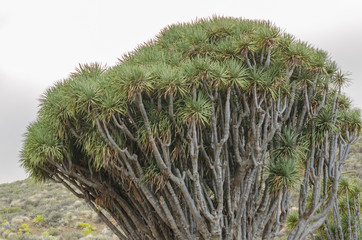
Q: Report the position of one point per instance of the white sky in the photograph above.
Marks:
(42, 41)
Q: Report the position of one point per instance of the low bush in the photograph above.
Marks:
(88, 229)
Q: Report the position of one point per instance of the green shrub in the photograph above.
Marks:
(24, 228)
(39, 219)
(88, 229)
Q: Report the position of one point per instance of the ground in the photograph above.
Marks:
(30, 210)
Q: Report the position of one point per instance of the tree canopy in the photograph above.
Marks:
(201, 133)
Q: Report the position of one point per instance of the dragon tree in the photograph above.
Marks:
(204, 132)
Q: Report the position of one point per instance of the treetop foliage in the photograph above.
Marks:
(181, 58)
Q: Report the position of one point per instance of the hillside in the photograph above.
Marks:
(353, 166)
(31, 211)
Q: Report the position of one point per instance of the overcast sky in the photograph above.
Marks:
(42, 41)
